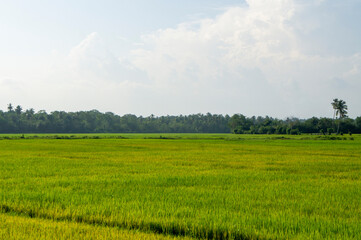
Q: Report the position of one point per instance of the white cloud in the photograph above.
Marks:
(248, 57)
(89, 77)
(249, 60)
(92, 61)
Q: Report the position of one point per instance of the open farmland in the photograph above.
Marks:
(214, 186)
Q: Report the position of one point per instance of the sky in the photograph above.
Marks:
(281, 58)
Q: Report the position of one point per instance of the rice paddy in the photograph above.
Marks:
(19, 227)
(206, 186)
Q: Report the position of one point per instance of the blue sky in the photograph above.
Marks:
(280, 58)
(46, 25)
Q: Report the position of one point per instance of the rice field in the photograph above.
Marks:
(205, 186)
(19, 227)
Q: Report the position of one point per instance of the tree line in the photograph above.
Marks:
(17, 120)
(340, 121)
(268, 125)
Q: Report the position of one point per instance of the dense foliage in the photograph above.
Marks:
(268, 125)
(15, 120)
(18, 121)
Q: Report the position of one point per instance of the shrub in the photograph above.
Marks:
(295, 132)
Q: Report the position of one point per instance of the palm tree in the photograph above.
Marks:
(10, 107)
(340, 110)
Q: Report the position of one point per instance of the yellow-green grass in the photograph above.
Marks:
(17, 227)
(221, 187)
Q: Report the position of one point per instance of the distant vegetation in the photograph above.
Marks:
(294, 126)
(16, 120)
(19, 121)
(260, 125)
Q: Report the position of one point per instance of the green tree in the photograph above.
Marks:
(10, 107)
(18, 109)
(340, 110)
(358, 124)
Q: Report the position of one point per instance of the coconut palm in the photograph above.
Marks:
(340, 110)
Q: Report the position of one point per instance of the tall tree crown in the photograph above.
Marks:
(339, 107)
